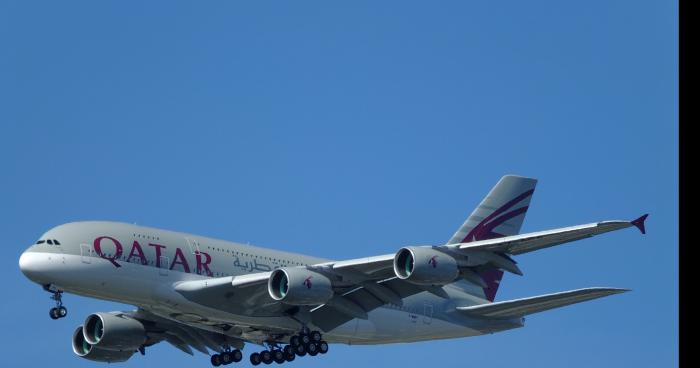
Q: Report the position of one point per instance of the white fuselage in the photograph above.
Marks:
(141, 266)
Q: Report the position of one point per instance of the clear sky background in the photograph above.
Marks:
(349, 129)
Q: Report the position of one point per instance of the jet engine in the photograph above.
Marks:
(299, 286)
(113, 331)
(91, 352)
(425, 266)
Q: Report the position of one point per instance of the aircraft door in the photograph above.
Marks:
(163, 265)
(85, 253)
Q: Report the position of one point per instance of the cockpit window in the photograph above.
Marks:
(49, 241)
(40, 241)
(56, 242)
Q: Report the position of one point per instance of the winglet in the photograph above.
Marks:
(639, 223)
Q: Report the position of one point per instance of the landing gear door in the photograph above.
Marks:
(85, 253)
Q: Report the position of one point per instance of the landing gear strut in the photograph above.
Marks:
(59, 311)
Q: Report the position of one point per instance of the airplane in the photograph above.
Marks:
(217, 296)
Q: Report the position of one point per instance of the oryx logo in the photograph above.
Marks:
(485, 229)
(433, 261)
(307, 282)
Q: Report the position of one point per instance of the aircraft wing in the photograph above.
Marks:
(180, 335)
(364, 284)
(525, 243)
(525, 306)
(244, 295)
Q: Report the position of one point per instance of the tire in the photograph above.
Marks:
(300, 350)
(315, 336)
(294, 341)
(305, 339)
(266, 357)
(322, 347)
(290, 357)
(216, 360)
(226, 358)
(312, 349)
(237, 356)
(255, 359)
(62, 312)
(53, 313)
(278, 356)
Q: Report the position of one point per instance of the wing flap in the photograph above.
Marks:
(536, 304)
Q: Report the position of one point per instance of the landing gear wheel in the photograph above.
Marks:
(315, 336)
(278, 356)
(266, 356)
(237, 356)
(300, 350)
(59, 311)
(304, 338)
(289, 356)
(216, 360)
(295, 341)
(255, 359)
(322, 347)
(226, 358)
(312, 349)
(288, 349)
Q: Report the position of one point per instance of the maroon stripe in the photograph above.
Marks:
(484, 230)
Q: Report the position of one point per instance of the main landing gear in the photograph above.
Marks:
(226, 357)
(306, 342)
(59, 311)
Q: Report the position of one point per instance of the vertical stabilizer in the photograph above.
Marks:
(500, 214)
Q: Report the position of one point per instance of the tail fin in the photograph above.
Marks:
(500, 214)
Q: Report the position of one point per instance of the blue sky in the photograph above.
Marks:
(346, 130)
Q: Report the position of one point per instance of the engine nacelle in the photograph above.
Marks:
(299, 286)
(110, 331)
(84, 349)
(425, 266)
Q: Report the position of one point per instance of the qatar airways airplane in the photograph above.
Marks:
(215, 296)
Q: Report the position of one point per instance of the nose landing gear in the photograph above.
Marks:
(59, 311)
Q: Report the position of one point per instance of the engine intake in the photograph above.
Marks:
(110, 331)
(84, 349)
(425, 266)
(299, 286)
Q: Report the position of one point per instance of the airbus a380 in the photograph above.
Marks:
(216, 296)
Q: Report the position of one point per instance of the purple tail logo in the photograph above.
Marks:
(484, 230)
(433, 261)
(307, 282)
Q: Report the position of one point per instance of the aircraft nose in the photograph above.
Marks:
(30, 265)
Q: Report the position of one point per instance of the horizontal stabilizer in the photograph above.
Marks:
(525, 306)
